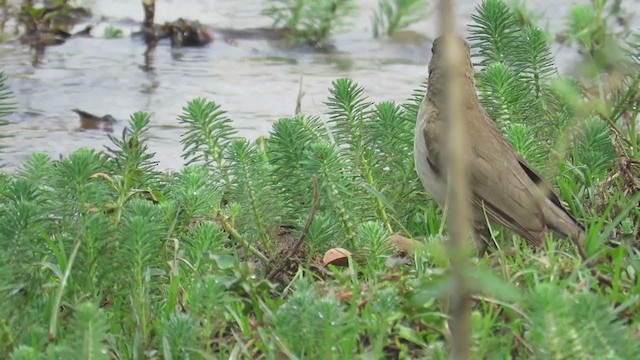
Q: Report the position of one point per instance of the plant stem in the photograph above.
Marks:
(55, 308)
(305, 231)
(256, 214)
(458, 194)
(379, 204)
(342, 212)
(234, 234)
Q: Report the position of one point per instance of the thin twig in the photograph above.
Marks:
(613, 127)
(305, 230)
(234, 234)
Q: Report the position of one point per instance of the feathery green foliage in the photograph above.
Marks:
(195, 193)
(372, 240)
(180, 337)
(494, 32)
(389, 135)
(337, 185)
(533, 60)
(595, 150)
(516, 70)
(253, 191)
(209, 134)
(600, 31)
(524, 142)
(287, 148)
(142, 235)
(581, 326)
(311, 336)
(506, 97)
(348, 111)
(130, 153)
(91, 333)
(113, 32)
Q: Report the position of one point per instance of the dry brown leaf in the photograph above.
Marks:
(336, 256)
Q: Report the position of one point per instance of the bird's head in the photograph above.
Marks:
(458, 59)
(109, 119)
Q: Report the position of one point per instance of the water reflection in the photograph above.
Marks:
(149, 56)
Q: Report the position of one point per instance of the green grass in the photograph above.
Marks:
(107, 257)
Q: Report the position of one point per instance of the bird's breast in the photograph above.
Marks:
(432, 182)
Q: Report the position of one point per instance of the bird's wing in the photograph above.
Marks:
(560, 219)
(432, 133)
(500, 186)
(549, 192)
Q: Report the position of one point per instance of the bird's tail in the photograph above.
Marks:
(559, 220)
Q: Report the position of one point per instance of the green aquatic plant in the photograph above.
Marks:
(392, 16)
(112, 32)
(309, 21)
(58, 16)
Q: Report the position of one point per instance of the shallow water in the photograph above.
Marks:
(254, 81)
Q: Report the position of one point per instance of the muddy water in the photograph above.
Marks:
(255, 81)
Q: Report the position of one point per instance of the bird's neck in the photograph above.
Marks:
(436, 89)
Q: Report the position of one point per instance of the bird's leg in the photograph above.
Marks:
(482, 237)
(580, 243)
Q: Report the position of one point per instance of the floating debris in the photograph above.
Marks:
(47, 26)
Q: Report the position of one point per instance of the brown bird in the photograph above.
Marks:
(502, 184)
(91, 121)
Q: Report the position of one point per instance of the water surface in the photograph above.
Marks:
(255, 81)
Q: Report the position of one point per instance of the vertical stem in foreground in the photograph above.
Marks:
(149, 7)
(458, 191)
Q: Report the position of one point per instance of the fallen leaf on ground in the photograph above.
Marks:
(336, 256)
